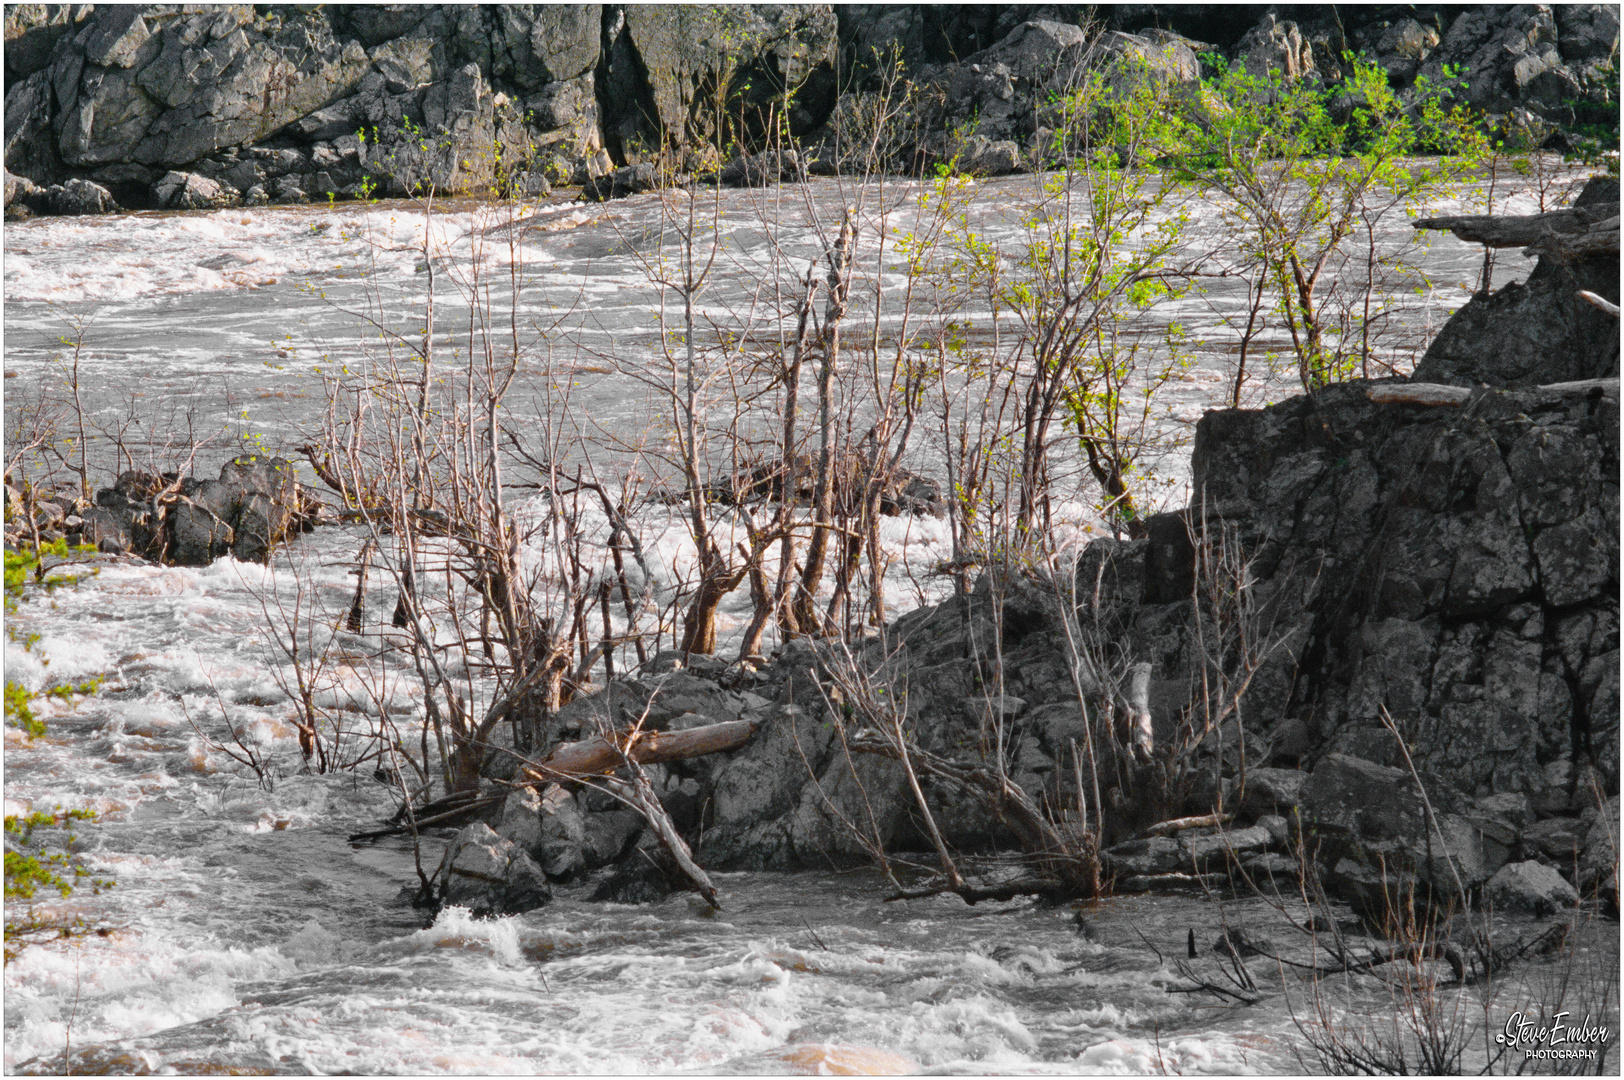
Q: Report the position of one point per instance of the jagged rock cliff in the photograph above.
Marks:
(195, 106)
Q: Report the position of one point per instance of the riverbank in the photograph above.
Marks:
(145, 108)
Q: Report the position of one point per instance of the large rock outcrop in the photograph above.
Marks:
(1451, 570)
(281, 103)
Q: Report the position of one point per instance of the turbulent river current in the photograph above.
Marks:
(244, 934)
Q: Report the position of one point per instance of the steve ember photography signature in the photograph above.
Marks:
(1553, 1041)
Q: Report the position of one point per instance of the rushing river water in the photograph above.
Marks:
(245, 934)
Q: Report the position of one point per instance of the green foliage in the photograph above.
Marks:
(31, 566)
(34, 866)
(26, 874)
(20, 711)
(1100, 241)
(1303, 170)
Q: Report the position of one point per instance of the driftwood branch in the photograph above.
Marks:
(1175, 879)
(597, 756)
(1144, 732)
(639, 795)
(459, 808)
(1599, 301)
(1071, 861)
(1166, 828)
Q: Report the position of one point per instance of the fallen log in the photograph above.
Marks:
(1506, 231)
(1608, 387)
(1419, 394)
(597, 756)
(1437, 394)
(973, 895)
(1137, 883)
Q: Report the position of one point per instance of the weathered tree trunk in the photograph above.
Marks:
(1577, 230)
(839, 259)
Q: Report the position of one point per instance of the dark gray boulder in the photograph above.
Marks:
(77, 197)
(549, 826)
(1377, 844)
(763, 169)
(1538, 331)
(489, 875)
(1529, 890)
(1272, 791)
(1598, 862)
(1511, 57)
(190, 191)
(628, 180)
(642, 877)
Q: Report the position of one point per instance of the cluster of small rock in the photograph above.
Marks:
(253, 506)
(1374, 842)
